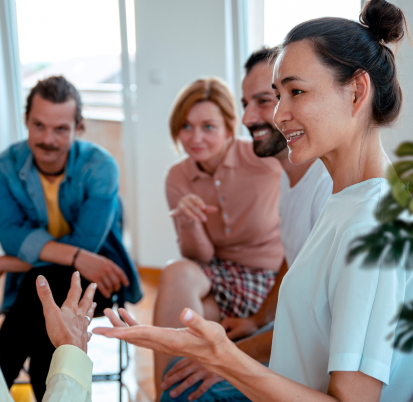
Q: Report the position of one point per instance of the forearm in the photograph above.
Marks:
(13, 264)
(267, 311)
(194, 241)
(259, 383)
(257, 346)
(58, 253)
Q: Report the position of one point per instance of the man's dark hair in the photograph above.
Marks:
(56, 89)
(264, 55)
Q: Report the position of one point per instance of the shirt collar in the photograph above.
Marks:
(27, 162)
(231, 160)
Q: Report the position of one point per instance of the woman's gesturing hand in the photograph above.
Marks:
(67, 325)
(192, 208)
(201, 340)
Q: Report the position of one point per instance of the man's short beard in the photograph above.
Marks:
(270, 146)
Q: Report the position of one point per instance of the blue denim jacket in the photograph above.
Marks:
(88, 200)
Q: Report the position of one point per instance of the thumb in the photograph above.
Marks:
(44, 293)
(194, 321)
(209, 331)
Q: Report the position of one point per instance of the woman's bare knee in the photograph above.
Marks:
(184, 274)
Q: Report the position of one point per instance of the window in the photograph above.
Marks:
(79, 39)
(281, 16)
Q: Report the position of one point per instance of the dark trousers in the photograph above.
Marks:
(23, 333)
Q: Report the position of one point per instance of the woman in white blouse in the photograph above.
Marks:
(335, 325)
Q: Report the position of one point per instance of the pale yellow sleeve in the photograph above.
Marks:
(4, 390)
(70, 376)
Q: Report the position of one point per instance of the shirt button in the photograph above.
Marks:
(221, 199)
(225, 216)
(217, 183)
(228, 230)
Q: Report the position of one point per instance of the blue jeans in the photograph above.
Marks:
(220, 392)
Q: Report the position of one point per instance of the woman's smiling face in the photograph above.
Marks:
(314, 113)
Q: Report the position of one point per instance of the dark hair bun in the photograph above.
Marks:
(386, 21)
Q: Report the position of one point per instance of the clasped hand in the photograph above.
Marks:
(101, 270)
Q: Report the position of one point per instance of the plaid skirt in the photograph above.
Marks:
(238, 290)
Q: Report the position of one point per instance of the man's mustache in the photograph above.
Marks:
(47, 147)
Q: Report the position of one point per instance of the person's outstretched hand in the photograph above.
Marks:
(67, 325)
(201, 340)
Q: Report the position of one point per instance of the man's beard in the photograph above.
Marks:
(270, 145)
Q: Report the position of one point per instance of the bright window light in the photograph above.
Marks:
(280, 16)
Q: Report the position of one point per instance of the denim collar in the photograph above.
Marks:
(25, 162)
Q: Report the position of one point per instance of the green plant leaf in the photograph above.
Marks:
(404, 340)
(405, 149)
(388, 209)
(400, 194)
(402, 167)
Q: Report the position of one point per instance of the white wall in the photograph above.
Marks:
(177, 42)
(403, 130)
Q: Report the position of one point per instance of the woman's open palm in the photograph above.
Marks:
(201, 340)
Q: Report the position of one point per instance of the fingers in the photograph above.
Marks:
(75, 290)
(105, 286)
(226, 323)
(234, 333)
(210, 209)
(120, 274)
(193, 207)
(45, 294)
(189, 381)
(114, 280)
(179, 375)
(91, 311)
(113, 318)
(87, 300)
(127, 317)
(177, 366)
(89, 336)
(211, 380)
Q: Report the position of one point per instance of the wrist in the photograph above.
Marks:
(75, 256)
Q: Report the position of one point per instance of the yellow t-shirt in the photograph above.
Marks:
(57, 225)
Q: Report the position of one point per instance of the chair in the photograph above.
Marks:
(123, 350)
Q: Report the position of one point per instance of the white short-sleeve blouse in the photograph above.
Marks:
(338, 316)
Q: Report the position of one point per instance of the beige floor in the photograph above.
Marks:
(104, 353)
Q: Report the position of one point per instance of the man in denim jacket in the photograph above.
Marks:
(60, 212)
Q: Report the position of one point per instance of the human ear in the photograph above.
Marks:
(361, 89)
(80, 128)
(231, 133)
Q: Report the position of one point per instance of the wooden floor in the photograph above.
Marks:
(104, 352)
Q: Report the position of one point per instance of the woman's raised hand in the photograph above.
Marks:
(201, 340)
(192, 208)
